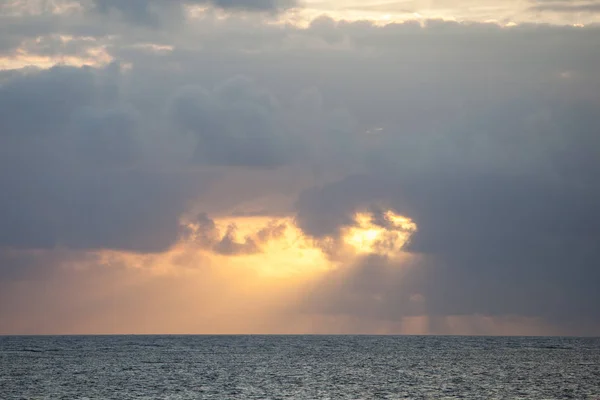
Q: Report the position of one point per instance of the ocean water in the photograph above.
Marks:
(298, 367)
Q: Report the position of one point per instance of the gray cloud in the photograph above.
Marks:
(254, 4)
(106, 136)
(236, 124)
(485, 136)
(26, 25)
(28, 105)
(72, 171)
(153, 12)
(492, 239)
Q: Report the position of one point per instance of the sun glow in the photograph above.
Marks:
(95, 57)
(271, 247)
(287, 252)
(277, 247)
(384, 237)
(225, 275)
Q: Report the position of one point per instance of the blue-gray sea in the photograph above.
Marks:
(298, 367)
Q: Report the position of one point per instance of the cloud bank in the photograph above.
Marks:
(232, 149)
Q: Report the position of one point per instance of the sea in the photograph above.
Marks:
(298, 367)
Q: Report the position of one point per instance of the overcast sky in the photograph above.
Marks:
(278, 166)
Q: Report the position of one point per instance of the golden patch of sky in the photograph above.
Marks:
(190, 289)
(386, 11)
(96, 57)
(366, 237)
(279, 248)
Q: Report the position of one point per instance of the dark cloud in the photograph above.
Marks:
(322, 211)
(106, 136)
(491, 239)
(153, 12)
(237, 124)
(485, 136)
(254, 4)
(138, 8)
(28, 103)
(134, 210)
(37, 27)
(71, 168)
(147, 12)
(372, 287)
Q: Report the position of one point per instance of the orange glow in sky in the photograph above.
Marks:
(191, 289)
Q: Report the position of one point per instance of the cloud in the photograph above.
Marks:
(72, 168)
(23, 265)
(153, 12)
(566, 6)
(237, 124)
(254, 4)
(207, 235)
(483, 135)
(493, 239)
(106, 136)
(28, 102)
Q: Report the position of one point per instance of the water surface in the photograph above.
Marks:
(298, 367)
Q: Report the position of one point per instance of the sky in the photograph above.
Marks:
(289, 167)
